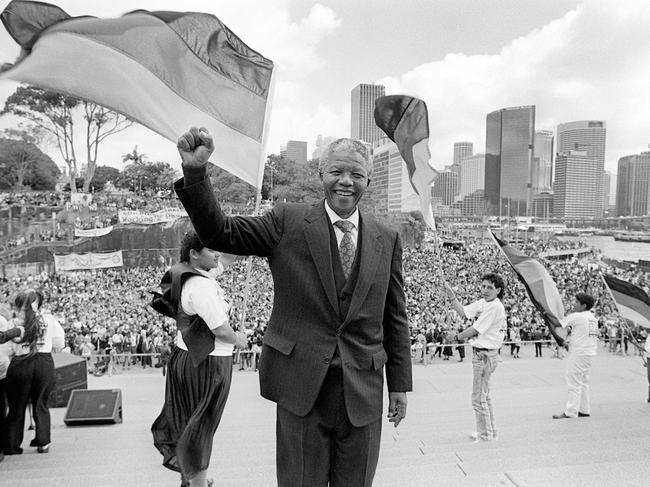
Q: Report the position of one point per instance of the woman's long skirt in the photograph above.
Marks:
(194, 401)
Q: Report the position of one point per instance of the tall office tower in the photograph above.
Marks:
(472, 175)
(294, 150)
(633, 185)
(446, 187)
(576, 185)
(462, 150)
(542, 171)
(607, 184)
(321, 145)
(391, 186)
(363, 124)
(509, 142)
(588, 136)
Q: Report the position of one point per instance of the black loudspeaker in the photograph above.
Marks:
(71, 373)
(94, 407)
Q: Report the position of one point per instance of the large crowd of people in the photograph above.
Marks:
(106, 311)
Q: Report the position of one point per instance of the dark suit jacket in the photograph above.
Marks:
(305, 327)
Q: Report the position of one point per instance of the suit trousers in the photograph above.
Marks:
(29, 379)
(324, 448)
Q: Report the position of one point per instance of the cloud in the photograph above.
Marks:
(592, 63)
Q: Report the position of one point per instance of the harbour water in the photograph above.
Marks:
(615, 249)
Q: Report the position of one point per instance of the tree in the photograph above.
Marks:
(103, 175)
(55, 114)
(143, 176)
(23, 164)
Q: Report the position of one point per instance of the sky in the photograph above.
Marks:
(573, 60)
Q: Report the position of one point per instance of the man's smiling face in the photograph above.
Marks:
(345, 179)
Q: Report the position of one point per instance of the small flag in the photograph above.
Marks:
(166, 70)
(405, 121)
(541, 288)
(632, 302)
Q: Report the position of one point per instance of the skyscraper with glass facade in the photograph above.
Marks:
(633, 185)
(363, 124)
(575, 186)
(462, 150)
(509, 143)
(542, 171)
(588, 136)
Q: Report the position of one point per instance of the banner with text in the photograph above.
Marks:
(93, 232)
(91, 260)
(144, 218)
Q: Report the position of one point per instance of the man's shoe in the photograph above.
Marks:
(560, 416)
(43, 449)
(583, 415)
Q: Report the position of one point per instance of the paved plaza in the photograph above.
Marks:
(431, 448)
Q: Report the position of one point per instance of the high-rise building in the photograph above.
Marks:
(445, 187)
(294, 150)
(321, 144)
(588, 136)
(633, 185)
(391, 186)
(542, 170)
(363, 124)
(472, 175)
(462, 150)
(575, 186)
(509, 142)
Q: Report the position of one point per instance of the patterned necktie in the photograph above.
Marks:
(346, 247)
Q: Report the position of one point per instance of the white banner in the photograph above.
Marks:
(143, 218)
(93, 232)
(90, 260)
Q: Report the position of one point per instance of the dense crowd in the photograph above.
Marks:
(107, 311)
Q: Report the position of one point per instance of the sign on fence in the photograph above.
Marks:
(90, 260)
(144, 218)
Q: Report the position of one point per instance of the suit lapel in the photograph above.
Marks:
(369, 253)
(317, 234)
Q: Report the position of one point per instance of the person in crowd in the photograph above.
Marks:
(486, 337)
(6, 352)
(200, 366)
(338, 317)
(647, 360)
(30, 375)
(583, 344)
(537, 337)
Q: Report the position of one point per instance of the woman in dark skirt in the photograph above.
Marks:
(30, 376)
(198, 379)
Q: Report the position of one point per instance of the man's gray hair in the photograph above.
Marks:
(355, 146)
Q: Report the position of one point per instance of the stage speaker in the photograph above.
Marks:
(102, 406)
(70, 372)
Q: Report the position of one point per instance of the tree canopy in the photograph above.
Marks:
(23, 164)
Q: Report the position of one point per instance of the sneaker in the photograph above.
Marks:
(43, 449)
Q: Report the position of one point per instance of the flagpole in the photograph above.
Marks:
(624, 320)
(258, 195)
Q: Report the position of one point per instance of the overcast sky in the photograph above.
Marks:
(574, 60)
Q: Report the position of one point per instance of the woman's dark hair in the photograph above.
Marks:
(497, 281)
(190, 242)
(586, 299)
(34, 327)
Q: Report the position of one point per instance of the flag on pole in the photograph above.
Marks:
(632, 302)
(405, 121)
(539, 285)
(166, 70)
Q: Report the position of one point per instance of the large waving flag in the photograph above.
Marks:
(405, 121)
(166, 70)
(541, 288)
(632, 302)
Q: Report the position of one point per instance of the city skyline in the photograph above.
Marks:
(573, 60)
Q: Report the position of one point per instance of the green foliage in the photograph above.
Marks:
(104, 174)
(23, 164)
(144, 176)
(288, 181)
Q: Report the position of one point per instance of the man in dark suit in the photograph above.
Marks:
(338, 319)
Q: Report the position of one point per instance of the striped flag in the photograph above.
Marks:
(166, 70)
(541, 288)
(405, 121)
(632, 302)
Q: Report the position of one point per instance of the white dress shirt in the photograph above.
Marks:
(204, 297)
(354, 219)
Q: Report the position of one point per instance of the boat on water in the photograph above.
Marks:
(632, 237)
